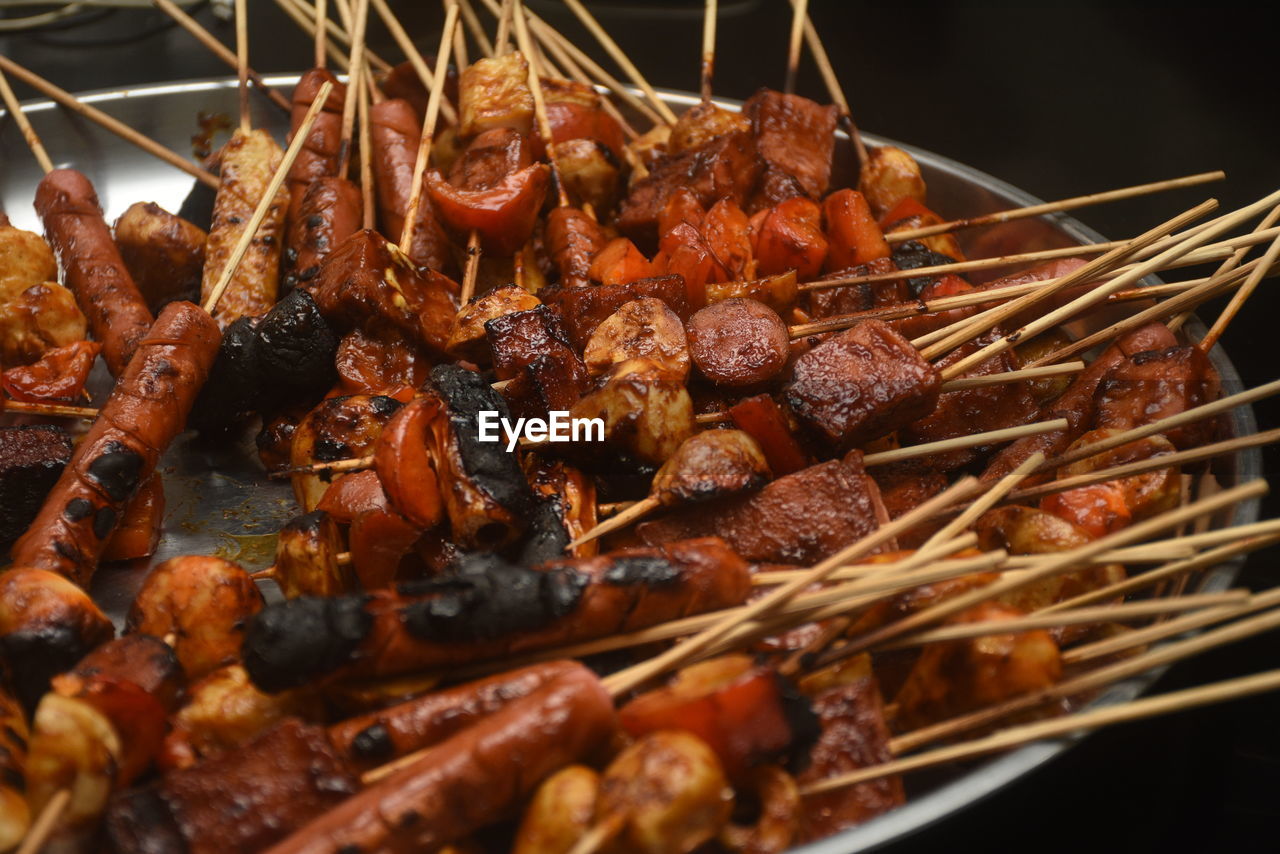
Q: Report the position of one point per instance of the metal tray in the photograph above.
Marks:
(220, 502)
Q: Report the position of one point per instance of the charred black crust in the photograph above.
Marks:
(373, 743)
(117, 470)
(104, 522)
(307, 523)
(37, 654)
(487, 598)
(911, 255)
(649, 571)
(77, 510)
(296, 347)
(491, 467)
(288, 644)
(234, 385)
(805, 725)
(546, 538)
(139, 821)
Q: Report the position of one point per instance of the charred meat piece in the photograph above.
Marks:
(490, 157)
(728, 165)
(794, 136)
(242, 802)
(31, 458)
(467, 337)
(566, 509)
(164, 253)
(584, 309)
(847, 299)
(296, 348)
(1156, 384)
(487, 609)
(517, 338)
(800, 518)
(861, 384)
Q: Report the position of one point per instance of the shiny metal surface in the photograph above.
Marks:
(219, 501)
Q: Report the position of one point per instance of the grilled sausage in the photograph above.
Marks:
(738, 342)
(95, 272)
(147, 408)
(395, 130)
(574, 239)
(466, 782)
(164, 253)
(321, 152)
(331, 210)
(249, 160)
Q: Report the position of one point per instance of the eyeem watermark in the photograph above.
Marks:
(558, 427)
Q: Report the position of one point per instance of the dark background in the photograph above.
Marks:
(1059, 99)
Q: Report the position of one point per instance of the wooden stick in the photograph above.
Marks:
(539, 102)
(472, 21)
(429, 126)
(308, 26)
(368, 202)
(218, 49)
(1242, 295)
(268, 198)
(1191, 455)
(1060, 205)
(1059, 563)
(1090, 680)
(1020, 375)
(308, 13)
(611, 47)
(1073, 617)
(1149, 707)
(632, 677)
(1192, 297)
(971, 328)
(710, 13)
(636, 511)
(1169, 628)
(320, 37)
(98, 117)
(502, 40)
(460, 55)
(42, 828)
(834, 88)
(1207, 558)
(471, 271)
(1057, 316)
(28, 132)
(414, 56)
(51, 409)
(1006, 434)
(242, 63)
(799, 14)
(354, 85)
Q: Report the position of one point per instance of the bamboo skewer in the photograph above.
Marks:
(1072, 617)
(616, 53)
(1060, 205)
(834, 89)
(502, 38)
(639, 674)
(308, 26)
(120, 129)
(472, 22)
(40, 830)
(988, 437)
(319, 37)
(969, 329)
(521, 26)
(51, 409)
(1169, 628)
(1176, 701)
(29, 134)
(428, 127)
(1245, 291)
(308, 14)
(268, 197)
(1061, 562)
(369, 208)
(411, 52)
(218, 49)
(1092, 680)
(799, 14)
(242, 63)
(576, 72)
(354, 85)
(1020, 375)
(710, 13)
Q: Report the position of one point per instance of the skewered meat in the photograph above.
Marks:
(146, 410)
(574, 240)
(584, 309)
(795, 136)
(493, 92)
(248, 162)
(738, 342)
(643, 328)
(575, 111)
(566, 509)
(307, 562)
(861, 384)
(395, 131)
(711, 465)
(778, 823)
(1155, 384)
(338, 428)
(59, 374)
(164, 253)
(643, 409)
(489, 609)
(95, 273)
(241, 802)
(503, 215)
(41, 318)
(800, 518)
(519, 337)
(321, 151)
(467, 337)
(384, 363)
(762, 419)
(204, 603)
(331, 210)
(31, 458)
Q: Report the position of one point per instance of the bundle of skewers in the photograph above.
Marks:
(854, 509)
